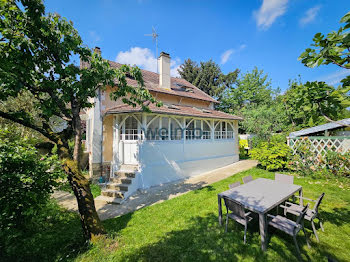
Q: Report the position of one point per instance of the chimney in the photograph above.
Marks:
(97, 50)
(164, 70)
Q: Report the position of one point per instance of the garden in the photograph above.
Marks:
(42, 134)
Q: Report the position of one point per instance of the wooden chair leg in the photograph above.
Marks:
(314, 229)
(226, 223)
(245, 232)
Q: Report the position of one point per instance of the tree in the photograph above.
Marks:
(189, 70)
(35, 56)
(312, 103)
(208, 77)
(252, 89)
(333, 49)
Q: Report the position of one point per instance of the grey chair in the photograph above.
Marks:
(247, 179)
(311, 214)
(238, 214)
(234, 185)
(284, 178)
(290, 227)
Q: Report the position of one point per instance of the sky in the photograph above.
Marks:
(268, 34)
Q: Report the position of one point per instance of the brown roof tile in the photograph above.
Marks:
(174, 110)
(151, 81)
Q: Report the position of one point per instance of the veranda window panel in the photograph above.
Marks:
(163, 132)
(229, 131)
(175, 130)
(217, 133)
(198, 129)
(189, 129)
(206, 131)
(153, 130)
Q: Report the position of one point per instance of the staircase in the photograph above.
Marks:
(116, 189)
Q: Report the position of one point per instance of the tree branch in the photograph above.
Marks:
(42, 130)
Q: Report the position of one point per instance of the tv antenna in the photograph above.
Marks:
(155, 39)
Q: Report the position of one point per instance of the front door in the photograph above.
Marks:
(129, 140)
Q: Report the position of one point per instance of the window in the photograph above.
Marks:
(153, 129)
(206, 130)
(175, 130)
(189, 129)
(230, 133)
(217, 133)
(163, 131)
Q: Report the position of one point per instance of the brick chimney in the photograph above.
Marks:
(97, 50)
(164, 70)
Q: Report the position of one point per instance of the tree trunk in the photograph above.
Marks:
(81, 185)
(90, 221)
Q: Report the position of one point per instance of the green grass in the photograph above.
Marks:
(95, 188)
(55, 235)
(186, 229)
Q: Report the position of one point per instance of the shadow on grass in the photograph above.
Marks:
(205, 240)
(56, 234)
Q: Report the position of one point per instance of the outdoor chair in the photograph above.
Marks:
(290, 227)
(284, 178)
(238, 214)
(310, 215)
(247, 179)
(234, 185)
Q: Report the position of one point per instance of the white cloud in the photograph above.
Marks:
(94, 37)
(310, 15)
(336, 77)
(225, 56)
(269, 11)
(145, 59)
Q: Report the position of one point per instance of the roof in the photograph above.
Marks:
(151, 82)
(180, 110)
(320, 128)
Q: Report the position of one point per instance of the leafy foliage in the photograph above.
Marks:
(272, 155)
(309, 104)
(252, 89)
(333, 49)
(26, 181)
(207, 76)
(36, 51)
(307, 163)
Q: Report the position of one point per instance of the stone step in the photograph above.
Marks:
(117, 186)
(113, 193)
(124, 174)
(110, 200)
(128, 168)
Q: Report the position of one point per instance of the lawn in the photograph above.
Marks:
(186, 229)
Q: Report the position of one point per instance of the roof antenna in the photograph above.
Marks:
(155, 39)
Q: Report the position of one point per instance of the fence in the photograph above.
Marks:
(321, 144)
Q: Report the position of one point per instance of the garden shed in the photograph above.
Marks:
(334, 136)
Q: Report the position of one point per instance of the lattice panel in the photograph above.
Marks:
(320, 145)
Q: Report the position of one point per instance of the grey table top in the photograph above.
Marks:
(261, 195)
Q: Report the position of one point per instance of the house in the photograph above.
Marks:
(137, 150)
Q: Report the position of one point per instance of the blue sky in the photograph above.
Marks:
(269, 34)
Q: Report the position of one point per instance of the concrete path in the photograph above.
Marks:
(157, 194)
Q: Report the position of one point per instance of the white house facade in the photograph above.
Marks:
(135, 150)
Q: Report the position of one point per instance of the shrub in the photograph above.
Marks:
(243, 145)
(272, 155)
(26, 181)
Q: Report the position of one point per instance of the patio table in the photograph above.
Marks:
(260, 196)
